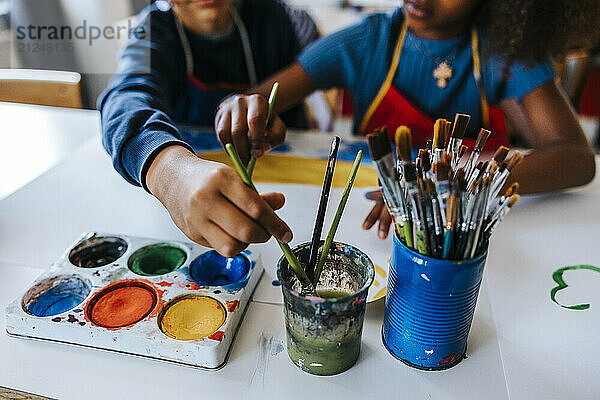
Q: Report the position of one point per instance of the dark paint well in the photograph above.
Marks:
(157, 259)
(212, 269)
(97, 251)
(55, 296)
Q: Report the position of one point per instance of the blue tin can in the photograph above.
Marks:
(429, 307)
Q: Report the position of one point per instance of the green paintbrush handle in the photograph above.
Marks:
(271, 102)
(337, 217)
(289, 255)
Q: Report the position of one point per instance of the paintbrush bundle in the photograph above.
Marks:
(440, 208)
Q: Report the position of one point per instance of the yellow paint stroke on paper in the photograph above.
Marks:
(193, 318)
(281, 168)
(380, 270)
(381, 293)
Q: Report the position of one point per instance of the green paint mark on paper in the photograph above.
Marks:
(557, 276)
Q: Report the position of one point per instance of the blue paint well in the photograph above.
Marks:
(62, 294)
(212, 269)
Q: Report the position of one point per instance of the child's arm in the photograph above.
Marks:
(206, 200)
(211, 205)
(562, 156)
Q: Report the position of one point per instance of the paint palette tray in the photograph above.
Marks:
(171, 301)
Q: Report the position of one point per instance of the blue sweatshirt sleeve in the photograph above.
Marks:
(135, 107)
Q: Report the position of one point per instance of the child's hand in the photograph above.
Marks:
(380, 213)
(211, 205)
(244, 117)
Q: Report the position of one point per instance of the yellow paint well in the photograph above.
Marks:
(193, 318)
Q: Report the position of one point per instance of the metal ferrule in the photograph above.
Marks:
(443, 192)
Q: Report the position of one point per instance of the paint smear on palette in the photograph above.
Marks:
(217, 336)
(557, 276)
(232, 305)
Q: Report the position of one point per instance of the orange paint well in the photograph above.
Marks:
(121, 304)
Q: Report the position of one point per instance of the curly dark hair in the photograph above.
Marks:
(531, 30)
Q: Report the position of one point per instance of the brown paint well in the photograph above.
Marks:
(121, 304)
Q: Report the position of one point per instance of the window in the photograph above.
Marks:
(4, 13)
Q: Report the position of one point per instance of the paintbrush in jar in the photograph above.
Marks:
(438, 220)
(440, 131)
(493, 208)
(391, 188)
(442, 186)
(501, 178)
(461, 121)
(412, 195)
(403, 140)
(289, 255)
(482, 138)
(337, 218)
(318, 229)
(450, 223)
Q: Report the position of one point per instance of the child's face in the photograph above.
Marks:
(438, 16)
(201, 10)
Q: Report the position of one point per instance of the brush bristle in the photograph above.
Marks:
(451, 210)
(461, 121)
(426, 161)
(462, 183)
(431, 187)
(385, 143)
(442, 171)
(439, 133)
(514, 160)
(511, 190)
(513, 200)
(373, 142)
(459, 174)
(462, 151)
(403, 143)
(410, 172)
(483, 137)
(447, 132)
(500, 154)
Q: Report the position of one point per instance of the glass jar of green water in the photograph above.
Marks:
(324, 333)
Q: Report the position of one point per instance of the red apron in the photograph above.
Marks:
(392, 109)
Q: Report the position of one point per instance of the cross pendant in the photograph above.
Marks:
(442, 73)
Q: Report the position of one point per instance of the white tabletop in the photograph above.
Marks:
(521, 346)
(34, 138)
